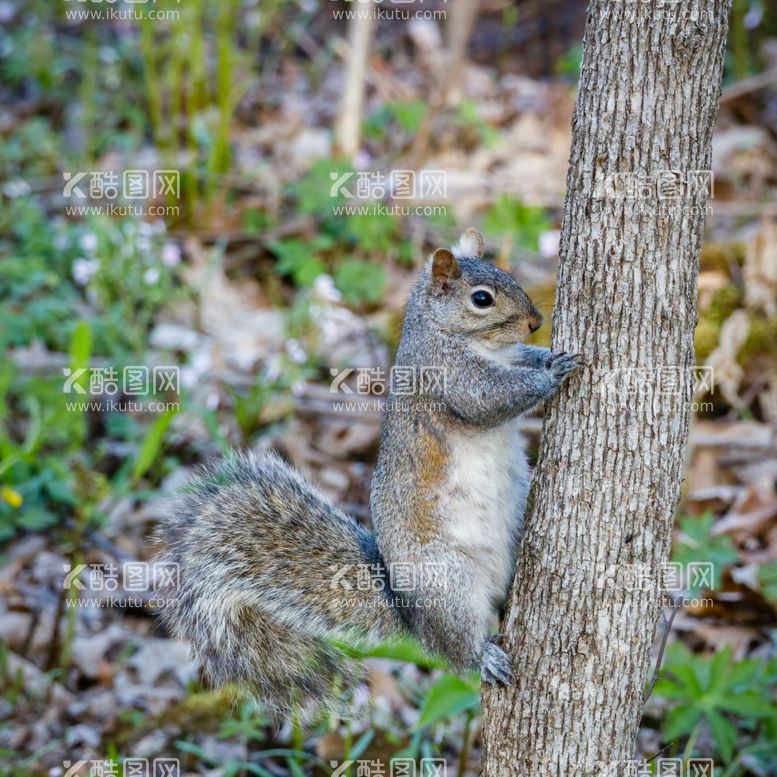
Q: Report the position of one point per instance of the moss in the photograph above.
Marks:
(705, 338)
(202, 711)
(721, 256)
(762, 337)
(714, 256)
(724, 302)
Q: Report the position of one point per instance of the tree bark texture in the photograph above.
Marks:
(607, 482)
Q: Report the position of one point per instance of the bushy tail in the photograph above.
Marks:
(268, 570)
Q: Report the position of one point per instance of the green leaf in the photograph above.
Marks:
(724, 734)
(681, 720)
(373, 234)
(767, 576)
(718, 665)
(750, 704)
(81, 348)
(695, 545)
(743, 673)
(362, 744)
(360, 281)
(510, 215)
(449, 696)
(681, 666)
(702, 669)
(151, 446)
(399, 649)
(314, 192)
(295, 768)
(36, 519)
(80, 351)
(408, 115)
(668, 689)
(299, 260)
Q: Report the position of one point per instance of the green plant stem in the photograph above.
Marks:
(348, 746)
(733, 768)
(297, 738)
(89, 92)
(465, 745)
(739, 45)
(691, 743)
(148, 53)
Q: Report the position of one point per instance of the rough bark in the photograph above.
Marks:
(608, 478)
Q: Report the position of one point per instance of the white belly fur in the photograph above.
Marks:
(484, 503)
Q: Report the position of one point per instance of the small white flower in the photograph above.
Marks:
(363, 160)
(107, 54)
(549, 243)
(151, 276)
(325, 289)
(361, 696)
(145, 229)
(88, 242)
(171, 254)
(296, 351)
(143, 244)
(14, 189)
(84, 270)
(272, 369)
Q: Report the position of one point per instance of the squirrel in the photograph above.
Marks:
(271, 575)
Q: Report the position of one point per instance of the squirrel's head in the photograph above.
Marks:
(470, 296)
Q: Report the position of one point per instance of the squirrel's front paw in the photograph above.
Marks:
(562, 364)
(496, 665)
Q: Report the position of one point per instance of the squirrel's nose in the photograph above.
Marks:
(535, 322)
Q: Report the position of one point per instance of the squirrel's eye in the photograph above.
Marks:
(482, 299)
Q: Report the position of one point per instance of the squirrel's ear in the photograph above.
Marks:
(444, 266)
(470, 245)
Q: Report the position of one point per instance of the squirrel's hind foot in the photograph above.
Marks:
(496, 669)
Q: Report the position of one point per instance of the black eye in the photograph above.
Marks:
(482, 299)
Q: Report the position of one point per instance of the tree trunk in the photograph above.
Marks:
(348, 131)
(580, 626)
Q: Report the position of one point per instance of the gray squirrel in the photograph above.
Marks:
(272, 575)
